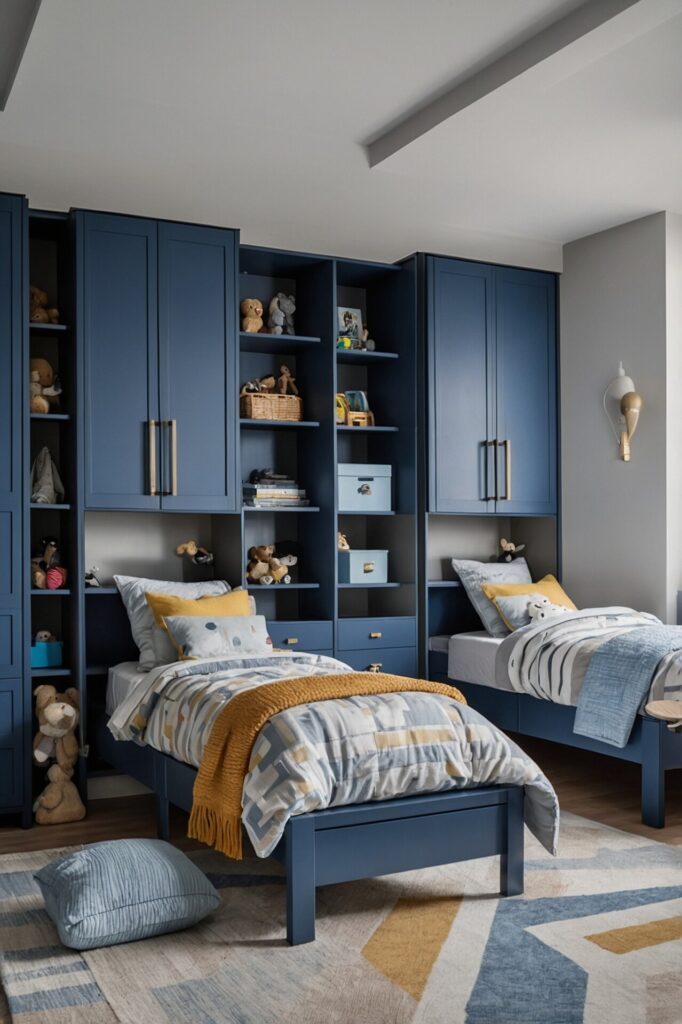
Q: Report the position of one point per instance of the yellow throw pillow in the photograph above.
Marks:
(234, 603)
(548, 585)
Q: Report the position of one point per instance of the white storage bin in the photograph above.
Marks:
(364, 488)
(363, 566)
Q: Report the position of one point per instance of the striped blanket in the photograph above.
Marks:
(332, 752)
(550, 660)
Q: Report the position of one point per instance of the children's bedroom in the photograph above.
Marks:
(340, 512)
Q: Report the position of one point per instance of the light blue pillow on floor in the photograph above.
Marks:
(124, 890)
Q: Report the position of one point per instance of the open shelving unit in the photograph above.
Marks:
(50, 267)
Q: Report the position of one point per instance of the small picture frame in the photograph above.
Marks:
(357, 401)
(349, 322)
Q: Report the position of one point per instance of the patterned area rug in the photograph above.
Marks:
(596, 938)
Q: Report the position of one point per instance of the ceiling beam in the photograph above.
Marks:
(16, 23)
(562, 36)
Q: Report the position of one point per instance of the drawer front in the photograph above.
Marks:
(10, 644)
(400, 661)
(364, 494)
(10, 743)
(363, 566)
(358, 634)
(302, 636)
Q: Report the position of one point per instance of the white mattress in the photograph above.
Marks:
(471, 656)
(120, 682)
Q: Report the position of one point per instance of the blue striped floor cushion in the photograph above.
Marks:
(124, 890)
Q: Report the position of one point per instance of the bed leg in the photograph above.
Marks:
(299, 839)
(162, 818)
(511, 861)
(653, 774)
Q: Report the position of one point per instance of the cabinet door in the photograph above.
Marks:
(198, 374)
(526, 391)
(11, 743)
(12, 394)
(117, 281)
(460, 385)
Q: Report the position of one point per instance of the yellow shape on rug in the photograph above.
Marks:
(638, 936)
(406, 944)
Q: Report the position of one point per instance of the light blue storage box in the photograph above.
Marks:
(363, 566)
(46, 654)
(364, 488)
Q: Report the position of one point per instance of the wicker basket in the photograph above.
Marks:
(270, 407)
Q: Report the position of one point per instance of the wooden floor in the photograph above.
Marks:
(596, 787)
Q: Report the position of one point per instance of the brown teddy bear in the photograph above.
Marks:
(39, 313)
(252, 315)
(258, 569)
(58, 715)
(60, 801)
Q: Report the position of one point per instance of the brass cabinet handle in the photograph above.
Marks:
(375, 636)
(488, 445)
(375, 666)
(291, 640)
(173, 424)
(507, 469)
(151, 427)
(364, 489)
(368, 566)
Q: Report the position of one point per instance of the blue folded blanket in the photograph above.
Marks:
(618, 679)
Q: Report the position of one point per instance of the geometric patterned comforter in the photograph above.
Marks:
(330, 753)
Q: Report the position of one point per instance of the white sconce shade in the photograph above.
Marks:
(622, 405)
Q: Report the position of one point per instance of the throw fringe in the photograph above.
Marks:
(221, 831)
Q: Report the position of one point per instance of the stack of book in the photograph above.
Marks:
(278, 493)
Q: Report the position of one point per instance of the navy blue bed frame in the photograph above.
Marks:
(359, 841)
(651, 745)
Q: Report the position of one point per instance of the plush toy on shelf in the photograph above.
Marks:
(342, 542)
(39, 404)
(199, 555)
(258, 567)
(44, 384)
(46, 571)
(60, 802)
(39, 313)
(270, 564)
(510, 550)
(281, 314)
(91, 578)
(58, 715)
(286, 384)
(252, 315)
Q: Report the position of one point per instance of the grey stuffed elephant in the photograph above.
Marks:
(281, 314)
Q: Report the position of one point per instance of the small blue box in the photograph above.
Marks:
(363, 566)
(46, 654)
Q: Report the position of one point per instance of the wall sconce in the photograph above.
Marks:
(622, 405)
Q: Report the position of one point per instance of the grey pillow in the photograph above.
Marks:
(132, 590)
(514, 609)
(206, 636)
(474, 574)
(124, 890)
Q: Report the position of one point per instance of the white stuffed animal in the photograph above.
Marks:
(541, 608)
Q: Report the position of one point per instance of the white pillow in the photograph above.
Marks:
(474, 574)
(211, 636)
(132, 590)
(164, 650)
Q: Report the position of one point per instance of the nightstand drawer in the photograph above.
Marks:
(358, 634)
(400, 661)
(301, 636)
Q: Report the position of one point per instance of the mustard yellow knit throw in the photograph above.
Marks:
(217, 799)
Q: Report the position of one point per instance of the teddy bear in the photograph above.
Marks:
(510, 550)
(46, 571)
(541, 608)
(252, 315)
(200, 556)
(259, 563)
(60, 801)
(342, 542)
(281, 314)
(39, 403)
(58, 715)
(286, 384)
(39, 313)
(44, 384)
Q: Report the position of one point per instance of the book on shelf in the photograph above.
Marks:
(275, 502)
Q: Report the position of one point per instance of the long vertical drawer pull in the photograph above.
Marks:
(508, 469)
(151, 427)
(174, 456)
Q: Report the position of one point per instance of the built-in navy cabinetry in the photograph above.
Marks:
(491, 379)
(157, 319)
(13, 700)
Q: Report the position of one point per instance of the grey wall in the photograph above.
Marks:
(617, 516)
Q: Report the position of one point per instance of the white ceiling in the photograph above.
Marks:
(254, 114)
